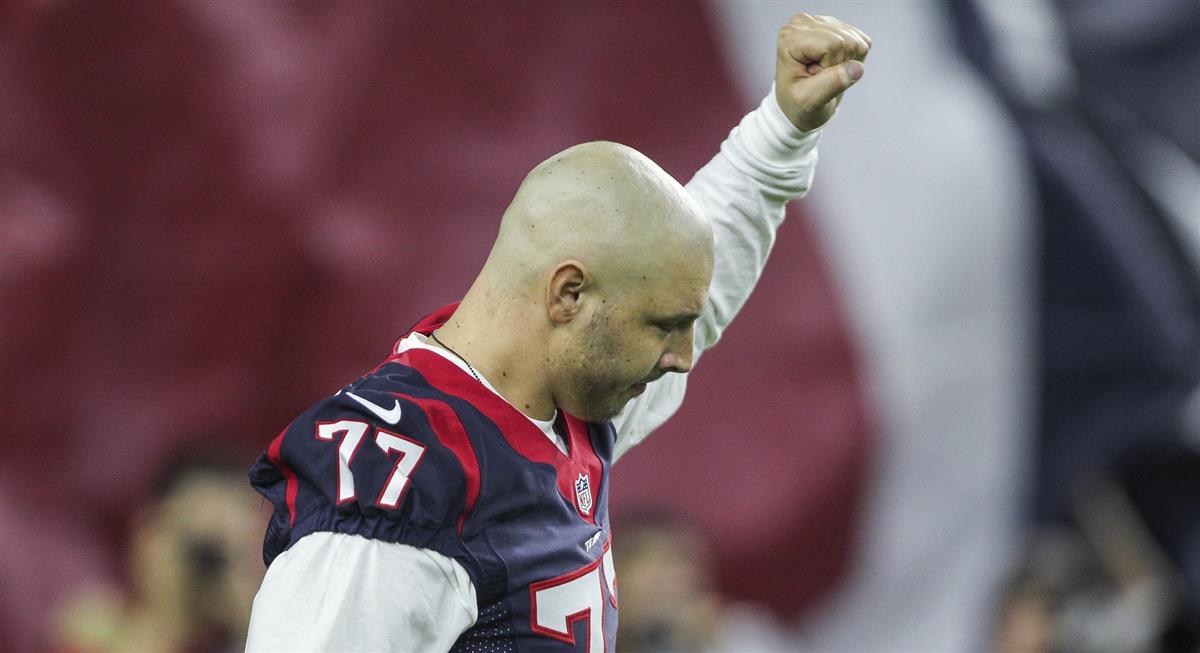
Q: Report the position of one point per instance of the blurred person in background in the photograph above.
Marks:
(670, 602)
(194, 561)
(1101, 582)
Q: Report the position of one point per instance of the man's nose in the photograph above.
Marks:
(678, 358)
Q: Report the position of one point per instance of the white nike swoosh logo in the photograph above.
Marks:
(391, 416)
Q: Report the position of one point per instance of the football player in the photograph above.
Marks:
(456, 496)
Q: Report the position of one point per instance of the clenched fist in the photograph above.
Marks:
(818, 58)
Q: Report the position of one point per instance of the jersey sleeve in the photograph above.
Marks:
(337, 592)
(743, 190)
(369, 462)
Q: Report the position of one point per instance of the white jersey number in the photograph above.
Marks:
(352, 432)
(560, 602)
(410, 454)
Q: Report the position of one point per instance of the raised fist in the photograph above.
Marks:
(818, 58)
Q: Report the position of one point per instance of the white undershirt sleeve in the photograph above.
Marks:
(339, 592)
(764, 162)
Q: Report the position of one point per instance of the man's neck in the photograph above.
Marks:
(499, 350)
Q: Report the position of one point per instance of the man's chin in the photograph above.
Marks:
(598, 414)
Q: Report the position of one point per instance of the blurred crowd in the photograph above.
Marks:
(966, 402)
(194, 562)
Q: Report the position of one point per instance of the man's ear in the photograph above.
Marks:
(564, 293)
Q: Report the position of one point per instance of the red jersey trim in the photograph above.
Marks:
(522, 435)
(275, 455)
(450, 432)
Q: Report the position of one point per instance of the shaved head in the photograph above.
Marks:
(603, 204)
(600, 267)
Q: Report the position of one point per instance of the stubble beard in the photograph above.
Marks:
(600, 396)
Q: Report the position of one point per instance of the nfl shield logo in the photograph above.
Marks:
(583, 494)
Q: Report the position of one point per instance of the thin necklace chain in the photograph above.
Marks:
(475, 374)
(460, 357)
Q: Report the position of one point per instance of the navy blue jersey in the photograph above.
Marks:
(420, 453)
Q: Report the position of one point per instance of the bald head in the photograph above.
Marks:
(601, 267)
(603, 204)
